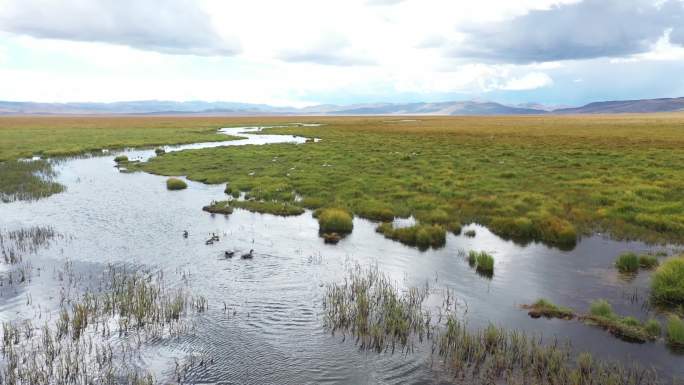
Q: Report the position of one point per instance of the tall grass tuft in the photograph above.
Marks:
(627, 263)
(601, 308)
(667, 284)
(335, 220)
(675, 331)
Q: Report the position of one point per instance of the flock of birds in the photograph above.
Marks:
(227, 253)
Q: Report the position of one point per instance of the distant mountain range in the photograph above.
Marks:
(156, 107)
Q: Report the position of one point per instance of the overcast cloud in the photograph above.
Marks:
(167, 26)
(300, 52)
(584, 30)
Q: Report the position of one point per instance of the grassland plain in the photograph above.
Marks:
(58, 135)
(547, 178)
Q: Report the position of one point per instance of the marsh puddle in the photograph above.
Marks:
(264, 320)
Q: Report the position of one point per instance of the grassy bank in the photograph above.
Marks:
(528, 178)
(58, 135)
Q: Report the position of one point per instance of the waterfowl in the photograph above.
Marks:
(209, 241)
(185, 233)
(229, 254)
(248, 255)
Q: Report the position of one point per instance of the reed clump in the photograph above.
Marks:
(494, 355)
(121, 159)
(627, 263)
(371, 308)
(15, 244)
(482, 261)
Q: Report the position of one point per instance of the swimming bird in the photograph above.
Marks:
(229, 254)
(185, 233)
(249, 255)
(209, 242)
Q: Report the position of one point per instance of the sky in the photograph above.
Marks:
(306, 52)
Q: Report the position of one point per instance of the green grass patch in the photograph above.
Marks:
(268, 207)
(547, 309)
(176, 184)
(419, 235)
(27, 180)
(667, 283)
(65, 136)
(675, 331)
(653, 328)
(334, 220)
(627, 263)
(121, 159)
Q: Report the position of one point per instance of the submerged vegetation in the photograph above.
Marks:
(549, 179)
(176, 184)
(422, 236)
(77, 347)
(27, 180)
(667, 283)
(14, 244)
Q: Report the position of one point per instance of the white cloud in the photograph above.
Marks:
(529, 81)
(170, 26)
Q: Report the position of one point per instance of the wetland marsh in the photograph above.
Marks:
(551, 202)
